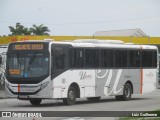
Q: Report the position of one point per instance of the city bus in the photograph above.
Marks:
(37, 70)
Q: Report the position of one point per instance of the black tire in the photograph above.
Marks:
(35, 101)
(94, 99)
(127, 93)
(71, 96)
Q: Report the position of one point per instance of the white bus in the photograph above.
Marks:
(39, 70)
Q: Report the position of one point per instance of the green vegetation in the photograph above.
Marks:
(34, 30)
(39, 30)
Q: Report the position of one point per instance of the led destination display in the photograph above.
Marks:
(28, 47)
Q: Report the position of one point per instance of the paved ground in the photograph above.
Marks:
(2, 94)
(146, 102)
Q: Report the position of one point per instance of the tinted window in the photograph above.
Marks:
(76, 58)
(134, 58)
(149, 58)
(95, 58)
(58, 58)
(88, 58)
(121, 58)
(107, 58)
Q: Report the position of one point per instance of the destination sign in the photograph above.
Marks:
(28, 47)
(14, 71)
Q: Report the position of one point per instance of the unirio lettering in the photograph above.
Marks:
(83, 75)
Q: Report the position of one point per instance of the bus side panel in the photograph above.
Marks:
(46, 92)
(128, 75)
(85, 79)
(59, 86)
(104, 82)
(105, 79)
(118, 82)
(62, 82)
(74, 76)
(112, 81)
(149, 80)
(89, 80)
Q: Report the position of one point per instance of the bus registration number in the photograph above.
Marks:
(27, 89)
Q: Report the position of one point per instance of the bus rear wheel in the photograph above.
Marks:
(94, 99)
(71, 96)
(127, 92)
(35, 101)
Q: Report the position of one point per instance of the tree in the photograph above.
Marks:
(39, 30)
(19, 30)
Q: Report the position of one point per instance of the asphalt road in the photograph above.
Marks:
(145, 102)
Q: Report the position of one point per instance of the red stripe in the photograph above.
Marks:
(141, 80)
(18, 87)
(141, 77)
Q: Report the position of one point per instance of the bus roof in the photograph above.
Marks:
(129, 46)
(95, 43)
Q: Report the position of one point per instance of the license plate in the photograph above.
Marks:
(23, 96)
(27, 89)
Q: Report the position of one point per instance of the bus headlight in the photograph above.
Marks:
(43, 85)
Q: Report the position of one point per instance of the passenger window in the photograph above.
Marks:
(107, 58)
(88, 58)
(76, 58)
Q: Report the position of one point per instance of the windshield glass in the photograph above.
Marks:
(28, 64)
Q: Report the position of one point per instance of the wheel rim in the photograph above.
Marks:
(71, 95)
(127, 92)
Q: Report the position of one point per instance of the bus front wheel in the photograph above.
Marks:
(35, 101)
(71, 96)
(127, 92)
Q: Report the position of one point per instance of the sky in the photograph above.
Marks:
(81, 17)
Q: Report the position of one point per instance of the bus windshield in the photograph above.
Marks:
(27, 64)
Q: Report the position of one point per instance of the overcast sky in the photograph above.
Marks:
(82, 17)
